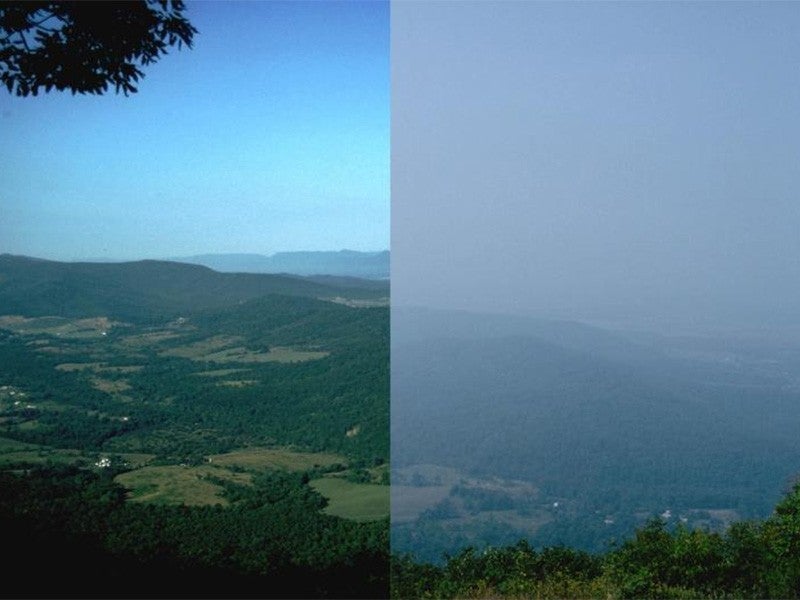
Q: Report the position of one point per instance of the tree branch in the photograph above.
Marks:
(50, 15)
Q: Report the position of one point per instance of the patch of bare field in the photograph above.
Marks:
(97, 323)
(121, 369)
(221, 349)
(71, 367)
(238, 383)
(11, 321)
(150, 338)
(58, 326)
(54, 350)
(355, 303)
(198, 350)
(279, 354)
(724, 514)
(529, 523)
(275, 458)
(219, 372)
(98, 367)
(136, 460)
(110, 386)
(426, 475)
(236, 354)
(284, 354)
(174, 484)
(409, 502)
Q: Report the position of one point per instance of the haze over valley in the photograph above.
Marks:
(508, 428)
(595, 275)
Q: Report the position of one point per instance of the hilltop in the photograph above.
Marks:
(151, 290)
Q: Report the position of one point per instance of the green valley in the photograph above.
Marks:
(165, 418)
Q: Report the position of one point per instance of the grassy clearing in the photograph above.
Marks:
(276, 458)
(150, 338)
(356, 303)
(379, 472)
(98, 367)
(279, 354)
(354, 501)
(57, 326)
(71, 367)
(136, 460)
(110, 386)
(283, 354)
(224, 349)
(173, 484)
(219, 372)
(409, 502)
(57, 350)
(237, 383)
(124, 369)
(41, 455)
(199, 350)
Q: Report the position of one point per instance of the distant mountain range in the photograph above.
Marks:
(346, 263)
(151, 289)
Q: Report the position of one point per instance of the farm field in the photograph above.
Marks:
(177, 484)
(276, 458)
(355, 501)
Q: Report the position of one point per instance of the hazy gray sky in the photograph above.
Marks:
(597, 160)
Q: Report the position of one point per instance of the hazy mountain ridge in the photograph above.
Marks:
(347, 263)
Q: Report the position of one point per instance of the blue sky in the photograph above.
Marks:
(271, 134)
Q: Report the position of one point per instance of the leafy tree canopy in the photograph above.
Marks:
(86, 46)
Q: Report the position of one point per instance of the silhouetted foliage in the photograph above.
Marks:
(274, 543)
(86, 46)
(751, 559)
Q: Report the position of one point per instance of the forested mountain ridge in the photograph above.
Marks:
(146, 289)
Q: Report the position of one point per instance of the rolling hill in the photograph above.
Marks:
(149, 290)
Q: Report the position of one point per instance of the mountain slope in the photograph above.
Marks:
(144, 290)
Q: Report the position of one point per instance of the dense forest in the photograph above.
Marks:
(166, 430)
(77, 527)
